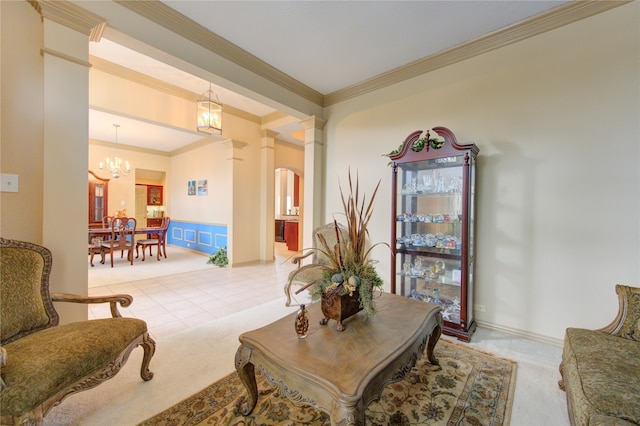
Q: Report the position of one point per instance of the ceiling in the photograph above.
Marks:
(326, 45)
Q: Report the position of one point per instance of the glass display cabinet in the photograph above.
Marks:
(433, 208)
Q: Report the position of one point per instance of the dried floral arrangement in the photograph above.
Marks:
(349, 267)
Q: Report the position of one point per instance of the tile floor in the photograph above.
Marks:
(183, 291)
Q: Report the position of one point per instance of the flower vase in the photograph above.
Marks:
(302, 322)
(339, 308)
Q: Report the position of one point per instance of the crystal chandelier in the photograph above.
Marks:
(209, 113)
(117, 167)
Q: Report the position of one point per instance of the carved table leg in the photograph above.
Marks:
(247, 375)
(347, 416)
(431, 344)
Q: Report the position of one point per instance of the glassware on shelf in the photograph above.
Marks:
(436, 295)
(427, 180)
(417, 270)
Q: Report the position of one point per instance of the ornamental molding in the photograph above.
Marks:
(71, 16)
(555, 18)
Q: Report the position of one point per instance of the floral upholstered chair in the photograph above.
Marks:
(600, 368)
(43, 362)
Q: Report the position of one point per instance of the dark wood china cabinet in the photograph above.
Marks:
(433, 208)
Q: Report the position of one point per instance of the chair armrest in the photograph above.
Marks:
(627, 321)
(123, 299)
(297, 260)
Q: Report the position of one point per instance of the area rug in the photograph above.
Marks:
(469, 387)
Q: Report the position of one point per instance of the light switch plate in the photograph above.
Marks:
(9, 183)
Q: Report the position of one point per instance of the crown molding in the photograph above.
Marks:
(64, 56)
(554, 18)
(170, 19)
(174, 21)
(122, 147)
(68, 14)
(192, 146)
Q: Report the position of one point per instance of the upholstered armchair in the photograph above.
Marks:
(600, 368)
(42, 362)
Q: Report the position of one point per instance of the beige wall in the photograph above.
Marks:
(208, 162)
(288, 156)
(139, 100)
(21, 120)
(556, 121)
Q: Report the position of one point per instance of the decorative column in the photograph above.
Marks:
(239, 229)
(67, 32)
(313, 177)
(267, 195)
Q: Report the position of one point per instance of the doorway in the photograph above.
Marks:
(288, 209)
(147, 209)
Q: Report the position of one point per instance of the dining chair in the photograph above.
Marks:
(160, 241)
(122, 237)
(106, 221)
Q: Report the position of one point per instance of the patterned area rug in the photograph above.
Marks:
(469, 387)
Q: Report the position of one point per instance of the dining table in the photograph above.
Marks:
(102, 232)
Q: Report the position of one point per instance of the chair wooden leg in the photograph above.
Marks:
(149, 346)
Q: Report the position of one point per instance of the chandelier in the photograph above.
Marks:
(209, 113)
(117, 167)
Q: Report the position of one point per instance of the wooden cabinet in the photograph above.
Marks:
(154, 222)
(291, 235)
(296, 190)
(98, 197)
(154, 195)
(433, 203)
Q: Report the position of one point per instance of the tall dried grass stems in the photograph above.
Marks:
(350, 256)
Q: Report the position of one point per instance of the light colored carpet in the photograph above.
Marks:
(467, 387)
(187, 362)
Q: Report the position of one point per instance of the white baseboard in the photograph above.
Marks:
(521, 333)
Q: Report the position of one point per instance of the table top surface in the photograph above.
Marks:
(344, 361)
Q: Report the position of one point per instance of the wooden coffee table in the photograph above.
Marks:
(340, 373)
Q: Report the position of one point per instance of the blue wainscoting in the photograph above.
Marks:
(207, 238)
